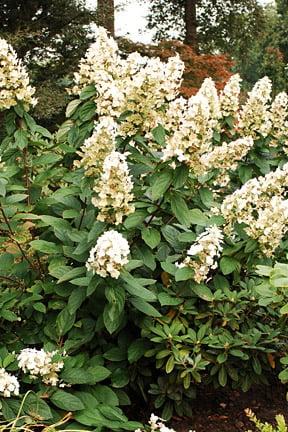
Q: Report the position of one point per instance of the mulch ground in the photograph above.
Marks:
(222, 410)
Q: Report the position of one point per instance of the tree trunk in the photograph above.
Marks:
(191, 24)
(106, 16)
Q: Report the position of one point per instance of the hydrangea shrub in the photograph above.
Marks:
(131, 239)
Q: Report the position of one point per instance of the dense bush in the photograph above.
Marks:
(130, 241)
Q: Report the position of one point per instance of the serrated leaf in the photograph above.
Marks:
(136, 289)
(184, 273)
(77, 376)
(228, 265)
(71, 108)
(161, 183)
(64, 322)
(46, 246)
(66, 401)
(151, 236)
(180, 210)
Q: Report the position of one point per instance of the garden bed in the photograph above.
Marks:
(222, 410)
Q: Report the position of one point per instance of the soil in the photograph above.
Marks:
(222, 410)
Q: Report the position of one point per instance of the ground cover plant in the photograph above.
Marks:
(134, 242)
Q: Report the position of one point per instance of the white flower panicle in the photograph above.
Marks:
(14, 81)
(203, 253)
(261, 205)
(147, 84)
(114, 194)
(39, 363)
(229, 97)
(254, 117)
(193, 137)
(8, 384)
(138, 85)
(109, 255)
(226, 158)
(209, 91)
(279, 120)
(98, 146)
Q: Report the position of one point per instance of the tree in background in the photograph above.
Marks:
(282, 27)
(208, 25)
(50, 36)
(267, 55)
(106, 15)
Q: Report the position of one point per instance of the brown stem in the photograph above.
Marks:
(26, 176)
(18, 244)
(10, 279)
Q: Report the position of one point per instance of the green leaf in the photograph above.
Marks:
(284, 309)
(184, 273)
(207, 197)
(171, 236)
(76, 299)
(77, 376)
(136, 350)
(99, 373)
(88, 92)
(135, 219)
(181, 173)
(222, 376)
(180, 210)
(72, 273)
(167, 300)
(113, 310)
(35, 406)
(71, 108)
(46, 246)
(159, 135)
(161, 183)
(170, 364)
(197, 217)
(144, 307)
(64, 322)
(228, 265)
(6, 261)
(136, 289)
(203, 292)
(21, 139)
(46, 159)
(151, 236)
(40, 307)
(66, 401)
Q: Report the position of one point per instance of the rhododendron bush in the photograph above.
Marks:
(131, 241)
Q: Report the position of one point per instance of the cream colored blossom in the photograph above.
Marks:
(261, 205)
(209, 91)
(193, 137)
(226, 158)
(109, 255)
(100, 68)
(137, 86)
(114, 192)
(39, 363)
(201, 256)
(8, 384)
(279, 120)
(98, 146)
(14, 80)
(254, 117)
(229, 96)
(147, 84)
